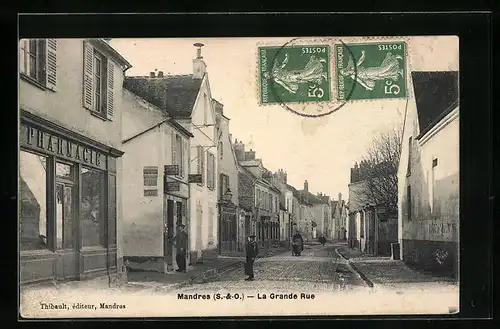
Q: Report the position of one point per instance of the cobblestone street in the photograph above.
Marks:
(318, 269)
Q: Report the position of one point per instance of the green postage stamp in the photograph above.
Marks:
(292, 74)
(371, 70)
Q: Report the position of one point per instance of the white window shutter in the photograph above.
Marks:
(88, 75)
(174, 150)
(110, 105)
(51, 64)
(186, 155)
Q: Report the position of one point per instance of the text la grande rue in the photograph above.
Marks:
(285, 296)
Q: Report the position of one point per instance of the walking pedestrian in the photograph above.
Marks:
(297, 243)
(252, 251)
(181, 241)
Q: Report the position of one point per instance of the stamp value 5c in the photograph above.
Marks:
(371, 70)
(292, 74)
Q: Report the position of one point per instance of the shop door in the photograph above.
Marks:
(67, 260)
(169, 234)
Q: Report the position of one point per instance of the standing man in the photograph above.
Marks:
(181, 241)
(252, 250)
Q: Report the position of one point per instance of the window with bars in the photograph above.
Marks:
(150, 177)
(38, 61)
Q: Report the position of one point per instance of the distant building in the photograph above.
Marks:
(321, 211)
(370, 227)
(266, 195)
(339, 219)
(286, 205)
(428, 177)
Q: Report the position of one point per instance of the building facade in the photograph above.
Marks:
(266, 195)
(428, 177)
(231, 221)
(339, 219)
(155, 167)
(319, 211)
(371, 228)
(187, 99)
(70, 159)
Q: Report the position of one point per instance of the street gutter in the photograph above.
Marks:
(365, 279)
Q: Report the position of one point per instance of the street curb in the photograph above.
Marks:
(207, 274)
(367, 281)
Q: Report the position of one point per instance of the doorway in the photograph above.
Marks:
(66, 231)
(169, 234)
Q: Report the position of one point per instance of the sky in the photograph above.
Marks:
(320, 150)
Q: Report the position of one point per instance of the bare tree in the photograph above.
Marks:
(379, 169)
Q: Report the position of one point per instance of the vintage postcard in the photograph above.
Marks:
(238, 177)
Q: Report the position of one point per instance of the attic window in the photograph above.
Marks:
(434, 162)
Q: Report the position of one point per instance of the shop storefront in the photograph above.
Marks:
(67, 195)
(176, 194)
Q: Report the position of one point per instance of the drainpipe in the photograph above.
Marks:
(363, 228)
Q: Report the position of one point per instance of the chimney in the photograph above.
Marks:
(152, 74)
(284, 177)
(306, 185)
(250, 155)
(340, 197)
(199, 65)
(160, 74)
(239, 150)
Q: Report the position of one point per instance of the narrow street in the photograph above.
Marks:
(317, 270)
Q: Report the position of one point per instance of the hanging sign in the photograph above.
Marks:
(195, 178)
(172, 186)
(171, 170)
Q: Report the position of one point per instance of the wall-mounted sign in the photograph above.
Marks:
(172, 170)
(172, 186)
(59, 146)
(195, 178)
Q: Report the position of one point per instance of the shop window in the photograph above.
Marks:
(33, 202)
(65, 209)
(93, 219)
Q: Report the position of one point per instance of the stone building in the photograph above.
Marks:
(428, 176)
